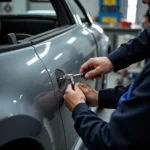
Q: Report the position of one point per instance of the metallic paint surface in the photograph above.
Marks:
(68, 52)
(27, 99)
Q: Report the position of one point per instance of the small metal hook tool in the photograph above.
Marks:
(71, 77)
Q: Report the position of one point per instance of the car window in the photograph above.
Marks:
(25, 22)
(78, 11)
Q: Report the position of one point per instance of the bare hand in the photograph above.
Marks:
(96, 66)
(73, 97)
(90, 94)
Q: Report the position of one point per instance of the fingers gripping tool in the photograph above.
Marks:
(71, 78)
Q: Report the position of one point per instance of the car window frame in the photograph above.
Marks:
(62, 16)
(83, 10)
(39, 38)
(50, 35)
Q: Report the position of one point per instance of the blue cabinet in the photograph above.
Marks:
(109, 11)
(110, 2)
(109, 17)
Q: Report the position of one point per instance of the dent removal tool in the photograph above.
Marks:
(71, 77)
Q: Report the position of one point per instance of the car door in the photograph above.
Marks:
(62, 51)
(28, 107)
(67, 50)
(65, 53)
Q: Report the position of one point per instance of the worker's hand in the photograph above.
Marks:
(90, 94)
(96, 66)
(73, 97)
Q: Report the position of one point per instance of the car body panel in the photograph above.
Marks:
(28, 106)
(68, 52)
(101, 39)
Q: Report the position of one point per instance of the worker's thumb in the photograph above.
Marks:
(93, 73)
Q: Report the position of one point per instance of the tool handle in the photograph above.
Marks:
(83, 75)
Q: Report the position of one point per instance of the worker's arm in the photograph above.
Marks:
(129, 126)
(134, 51)
(108, 98)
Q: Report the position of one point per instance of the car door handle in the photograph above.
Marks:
(61, 83)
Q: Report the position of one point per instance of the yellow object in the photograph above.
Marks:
(109, 2)
(109, 20)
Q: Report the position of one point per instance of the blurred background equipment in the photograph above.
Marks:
(109, 11)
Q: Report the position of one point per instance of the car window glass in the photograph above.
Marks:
(78, 11)
(27, 20)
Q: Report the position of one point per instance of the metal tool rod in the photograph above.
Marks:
(72, 82)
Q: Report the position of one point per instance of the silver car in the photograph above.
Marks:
(35, 50)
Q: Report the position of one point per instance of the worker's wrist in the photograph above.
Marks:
(81, 107)
(111, 66)
(76, 104)
(95, 100)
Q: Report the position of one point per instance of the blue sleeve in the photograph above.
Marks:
(134, 51)
(108, 98)
(128, 128)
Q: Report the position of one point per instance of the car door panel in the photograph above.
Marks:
(27, 101)
(67, 52)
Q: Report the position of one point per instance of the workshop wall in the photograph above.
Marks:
(39, 6)
(22, 6)
(15, 7)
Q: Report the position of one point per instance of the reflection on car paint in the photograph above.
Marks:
(34, 59)
(26, 98)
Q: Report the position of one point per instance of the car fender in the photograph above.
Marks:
(105, 48)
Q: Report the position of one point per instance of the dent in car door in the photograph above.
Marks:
(27, 102)
(68, 52)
